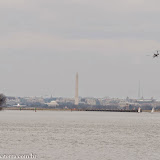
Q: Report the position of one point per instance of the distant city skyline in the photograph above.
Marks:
(44, 44)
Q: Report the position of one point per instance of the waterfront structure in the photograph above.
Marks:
(76, 91)
(52, 104)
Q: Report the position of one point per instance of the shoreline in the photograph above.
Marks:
(54, 109)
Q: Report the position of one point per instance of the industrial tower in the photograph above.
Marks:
(76, 91)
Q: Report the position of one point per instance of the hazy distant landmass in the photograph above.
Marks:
(84, 103)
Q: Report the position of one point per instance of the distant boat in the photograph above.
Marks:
(139, 110)
(152, 110)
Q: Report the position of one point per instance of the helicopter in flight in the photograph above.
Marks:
(156, 54)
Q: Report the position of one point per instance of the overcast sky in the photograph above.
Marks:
(43, 44)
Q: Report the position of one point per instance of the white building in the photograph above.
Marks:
(52, 104)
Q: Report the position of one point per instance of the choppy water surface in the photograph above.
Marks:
(54, 135)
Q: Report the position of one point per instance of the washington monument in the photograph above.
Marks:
(76, 91)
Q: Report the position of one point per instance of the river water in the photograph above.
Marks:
(64, 135)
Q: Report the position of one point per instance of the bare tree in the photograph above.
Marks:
(2, 100)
